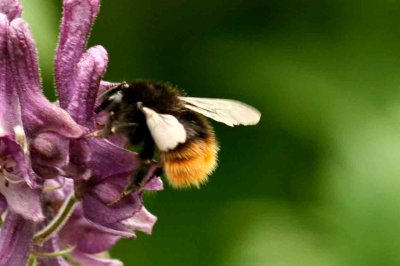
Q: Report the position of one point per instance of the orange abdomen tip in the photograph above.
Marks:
(191, 163)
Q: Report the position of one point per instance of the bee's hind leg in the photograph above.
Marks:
(137, 179)
(146, 155)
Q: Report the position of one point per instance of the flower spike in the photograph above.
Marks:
(57, 183)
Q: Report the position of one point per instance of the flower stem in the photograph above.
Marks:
(54, 254)
(31, 261)
(58, 222)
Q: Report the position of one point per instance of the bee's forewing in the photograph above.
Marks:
(166, 130)
(229, 112)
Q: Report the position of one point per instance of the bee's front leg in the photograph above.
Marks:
(106, 130)
(124, 128)
(113, 127)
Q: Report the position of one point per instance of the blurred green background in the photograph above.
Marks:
(317, 182)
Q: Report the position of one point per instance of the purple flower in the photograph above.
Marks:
(60, 190)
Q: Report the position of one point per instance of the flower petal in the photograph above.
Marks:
(51, 148)
(12, 8)
(80, 155)
(49, 153)
(154, 184)
(85, 236)
(57, 196)
(13, 178)
(143, 221)
(18, 196)
(103, 213)
(77, 20)
(24, 53)
(13, 152)
(15, 240)
(93, 241)
(88, 73)
(3, 204)
(38, 113)
(106, 85)
(110, 160)
(4, 28)
(79, 212)
(10, 110)
(91, 260)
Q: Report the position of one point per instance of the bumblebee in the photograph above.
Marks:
(159, 118)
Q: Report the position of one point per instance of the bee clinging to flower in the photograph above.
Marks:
(157, 116)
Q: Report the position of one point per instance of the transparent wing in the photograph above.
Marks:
(166, 130)
(229, 112)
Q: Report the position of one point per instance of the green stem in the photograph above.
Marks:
(31, 261)
(58, 222)
(54, 254)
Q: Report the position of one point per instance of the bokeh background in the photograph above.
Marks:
(317, 182)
